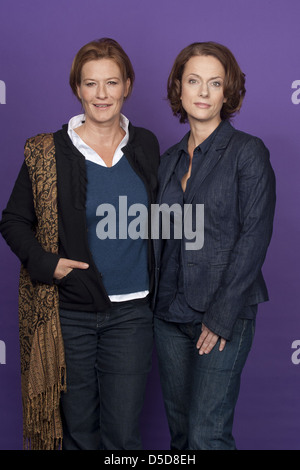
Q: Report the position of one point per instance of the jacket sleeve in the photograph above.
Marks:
(17, 228)
(256, 211)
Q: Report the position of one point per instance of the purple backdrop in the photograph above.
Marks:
(37, 43)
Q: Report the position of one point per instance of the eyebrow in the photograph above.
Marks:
(109, 78)
(212, 78)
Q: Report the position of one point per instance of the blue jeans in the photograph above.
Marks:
(200, 392)
(108, 357)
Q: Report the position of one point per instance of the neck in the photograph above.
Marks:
(108, 132)
(200, 131)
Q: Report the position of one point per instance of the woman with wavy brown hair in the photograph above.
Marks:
(207, 295)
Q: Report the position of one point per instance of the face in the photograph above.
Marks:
(202, 94)
(102, 90)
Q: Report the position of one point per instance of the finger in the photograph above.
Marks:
(201, 339)
(76, 264)
(208, 344)
(222, 344)
(65, 266)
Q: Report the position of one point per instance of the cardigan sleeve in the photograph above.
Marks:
(18, 229)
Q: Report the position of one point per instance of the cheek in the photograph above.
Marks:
(119, 96)
(185, 96)
(79, 92)
(220, 102)
(182, 90)
(83, 93)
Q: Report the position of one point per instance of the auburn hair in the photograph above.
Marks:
(104, 48)
(234, 83)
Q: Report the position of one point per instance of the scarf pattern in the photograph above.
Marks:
(43, 374)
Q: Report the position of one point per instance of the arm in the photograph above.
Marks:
(256, 210)
(17, 227)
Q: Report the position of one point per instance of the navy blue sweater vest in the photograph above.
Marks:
(119, 257)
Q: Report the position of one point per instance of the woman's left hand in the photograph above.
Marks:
(207, 340)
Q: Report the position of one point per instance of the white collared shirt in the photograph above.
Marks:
(94, 157)
(87, 151)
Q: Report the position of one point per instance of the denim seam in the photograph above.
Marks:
(220, 421)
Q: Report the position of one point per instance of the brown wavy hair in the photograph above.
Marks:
(104, 48)
(234, 83)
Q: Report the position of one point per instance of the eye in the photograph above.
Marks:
(89, 84)
(216, 84)
(192, 81)
(112, 82)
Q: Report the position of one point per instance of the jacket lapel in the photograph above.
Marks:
(165, 172)
(210, 160)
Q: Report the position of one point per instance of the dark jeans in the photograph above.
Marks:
(200, 392)
(108, 357)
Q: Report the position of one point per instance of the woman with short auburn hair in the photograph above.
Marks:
(105, 48)
(86, 328)
(234, 81)
(207, 291)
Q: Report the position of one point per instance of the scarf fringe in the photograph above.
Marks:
(36, 443)
(41, 417)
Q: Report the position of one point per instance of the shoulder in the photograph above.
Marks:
(39, 140)
(171, 151)
(253, 156)
(248, 149)
(39, 146)
(175, 148)
(248, 141)
(169, 154)
(145, 144)
(142, 135)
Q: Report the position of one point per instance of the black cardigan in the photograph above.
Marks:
(81, 289)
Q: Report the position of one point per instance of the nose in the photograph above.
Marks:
(203, 89)
(101, 91)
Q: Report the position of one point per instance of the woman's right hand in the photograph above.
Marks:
(65, 266)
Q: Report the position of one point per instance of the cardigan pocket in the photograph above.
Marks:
(72, 290)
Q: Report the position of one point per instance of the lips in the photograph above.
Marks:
(202, 105)
(102, 106)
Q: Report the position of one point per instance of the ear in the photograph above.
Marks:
(78, 92)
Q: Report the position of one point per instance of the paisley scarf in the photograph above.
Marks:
(43, 374)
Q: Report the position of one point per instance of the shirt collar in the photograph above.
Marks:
(204, 146)
(87, 151)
